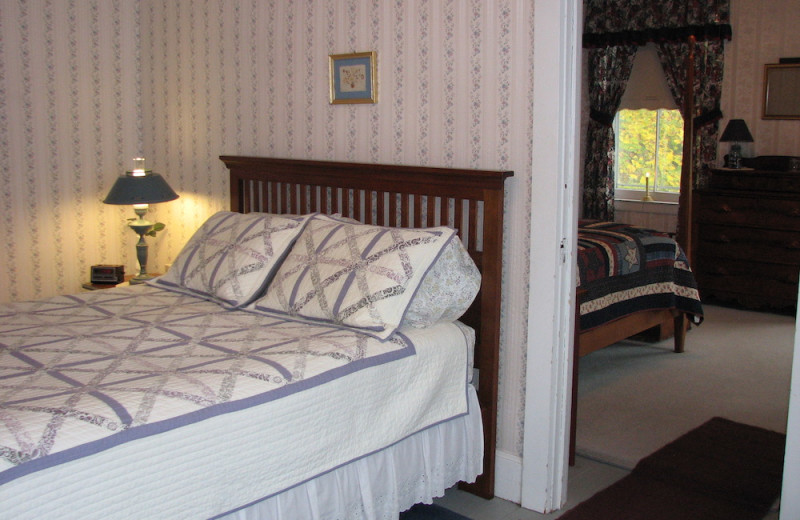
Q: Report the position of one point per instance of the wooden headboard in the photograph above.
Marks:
(401, 196)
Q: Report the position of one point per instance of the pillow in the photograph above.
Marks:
(353, 275)
(447, 290)
(233, 256)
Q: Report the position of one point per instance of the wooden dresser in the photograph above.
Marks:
(747, 237)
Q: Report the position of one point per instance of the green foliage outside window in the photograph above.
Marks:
(649, 141)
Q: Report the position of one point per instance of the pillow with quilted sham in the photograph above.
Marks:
(447, 290)
(353, 275)
(233, 256)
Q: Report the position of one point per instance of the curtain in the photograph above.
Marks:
(609, 70)
(708, 69)
(613, 30)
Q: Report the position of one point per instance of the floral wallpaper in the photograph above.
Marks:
(85, 85)
(760, 36)
(68, 121)
(251, 78)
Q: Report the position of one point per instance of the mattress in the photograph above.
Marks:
(193, 447)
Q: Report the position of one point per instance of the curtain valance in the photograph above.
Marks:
(609, 23)
(659, 35)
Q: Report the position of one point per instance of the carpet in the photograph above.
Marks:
(635, 397)
(430, 512)
(721, 470)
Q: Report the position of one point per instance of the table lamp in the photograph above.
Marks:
(736, 132)
(140, 187)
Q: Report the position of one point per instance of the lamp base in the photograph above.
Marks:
(141, 278)
(141, 227)
(735, 157)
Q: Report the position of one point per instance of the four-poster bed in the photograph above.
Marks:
(608, 30)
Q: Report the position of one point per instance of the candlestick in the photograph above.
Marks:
(647, 197)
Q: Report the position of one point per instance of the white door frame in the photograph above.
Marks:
(554, 209)
(790, 499)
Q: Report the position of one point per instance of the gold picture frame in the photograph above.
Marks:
(353, 78)
(781, 91)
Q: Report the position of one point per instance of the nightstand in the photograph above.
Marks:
(89, 286)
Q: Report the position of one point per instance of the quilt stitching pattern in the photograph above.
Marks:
(95, 366)
(624, 269)
(230, 258)
(347, 273)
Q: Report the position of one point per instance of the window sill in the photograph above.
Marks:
(640, 201)
(654, 207)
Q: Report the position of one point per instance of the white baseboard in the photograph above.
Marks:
(508, 477)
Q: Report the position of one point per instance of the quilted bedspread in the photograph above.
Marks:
(82, 373)
(625, 269)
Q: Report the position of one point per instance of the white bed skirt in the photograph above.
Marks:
(380, 485)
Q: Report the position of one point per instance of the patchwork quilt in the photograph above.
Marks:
(83, 373)
(625, 269)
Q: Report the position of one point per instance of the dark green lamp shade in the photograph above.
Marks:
(736, 131)
(148, 189)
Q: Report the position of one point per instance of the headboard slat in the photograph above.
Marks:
(458, 217)
(473, 224)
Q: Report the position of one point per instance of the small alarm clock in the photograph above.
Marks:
(111, 274)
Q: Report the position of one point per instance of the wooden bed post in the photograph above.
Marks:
(684, 231)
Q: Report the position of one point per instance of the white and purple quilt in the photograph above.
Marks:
(84, 374)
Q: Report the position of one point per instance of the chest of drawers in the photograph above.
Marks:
(747, 238)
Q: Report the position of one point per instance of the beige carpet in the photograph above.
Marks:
(635, 397)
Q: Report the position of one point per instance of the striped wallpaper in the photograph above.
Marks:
(68, 121)
(85, 85)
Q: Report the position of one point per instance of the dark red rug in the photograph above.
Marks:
(430, 512)
(722, 470)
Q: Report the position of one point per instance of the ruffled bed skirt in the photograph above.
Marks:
(382, 484)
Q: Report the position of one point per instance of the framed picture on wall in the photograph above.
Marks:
(353, 78)
(781, 91)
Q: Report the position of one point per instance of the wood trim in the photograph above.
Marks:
(684, 231)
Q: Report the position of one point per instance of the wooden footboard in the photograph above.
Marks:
(671, 322)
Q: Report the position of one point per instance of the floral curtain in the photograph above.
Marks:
(611, 29)
(708, 68)
(609, 70)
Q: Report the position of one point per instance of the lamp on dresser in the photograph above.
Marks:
(736, 132)
(141, 187)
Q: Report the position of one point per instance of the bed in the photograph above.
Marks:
(669, 312)
(244, 385)
(630, 280)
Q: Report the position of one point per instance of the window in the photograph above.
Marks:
(649, 134)
(648, 151)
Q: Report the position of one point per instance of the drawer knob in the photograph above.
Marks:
(721, 239)
(723, 208)
(719, 271)
(794, 245)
